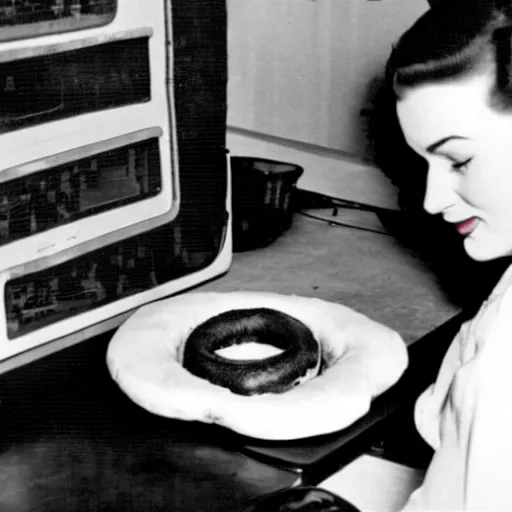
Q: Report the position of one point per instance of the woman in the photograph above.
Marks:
(452, 77)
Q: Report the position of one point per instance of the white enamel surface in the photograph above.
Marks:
(363, 359)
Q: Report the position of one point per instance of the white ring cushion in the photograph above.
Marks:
(363, 358)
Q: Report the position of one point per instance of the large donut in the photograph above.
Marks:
(362, 359)
(298, 362)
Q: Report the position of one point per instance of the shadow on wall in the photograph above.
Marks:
(465, 281)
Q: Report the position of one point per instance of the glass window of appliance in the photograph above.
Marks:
(21, 19)
(106, 275)
(57, 86)
(48, 199)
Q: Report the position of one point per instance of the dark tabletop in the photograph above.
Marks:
(71, 440)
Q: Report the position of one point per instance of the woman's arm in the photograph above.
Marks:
(469, 468)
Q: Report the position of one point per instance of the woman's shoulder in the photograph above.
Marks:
(492, 325)
(466, 362)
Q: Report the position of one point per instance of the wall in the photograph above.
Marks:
(299, 75)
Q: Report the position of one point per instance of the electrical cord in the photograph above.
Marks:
(343, 224)
(336, 202)
(322, 201)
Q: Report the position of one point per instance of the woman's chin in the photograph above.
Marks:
(481, 251)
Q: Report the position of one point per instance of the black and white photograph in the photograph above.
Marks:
(255, 255)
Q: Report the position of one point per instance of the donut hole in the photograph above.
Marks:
(253, 351)
(248, 350)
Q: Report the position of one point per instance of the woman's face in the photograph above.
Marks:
(468, 147)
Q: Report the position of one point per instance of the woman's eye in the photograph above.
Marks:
(460, 166)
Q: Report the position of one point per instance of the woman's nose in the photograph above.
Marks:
(439, 191)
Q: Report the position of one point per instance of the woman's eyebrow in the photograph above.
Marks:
(436, 145)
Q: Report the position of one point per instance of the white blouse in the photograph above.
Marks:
(466, 415)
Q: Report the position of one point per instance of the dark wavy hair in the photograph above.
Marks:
(454, 39)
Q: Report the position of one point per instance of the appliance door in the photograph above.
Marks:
(131, 158)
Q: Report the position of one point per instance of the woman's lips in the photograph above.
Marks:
(466, 226)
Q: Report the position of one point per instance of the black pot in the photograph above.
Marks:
(263, 193)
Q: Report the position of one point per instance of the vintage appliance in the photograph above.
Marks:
(114, 177)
